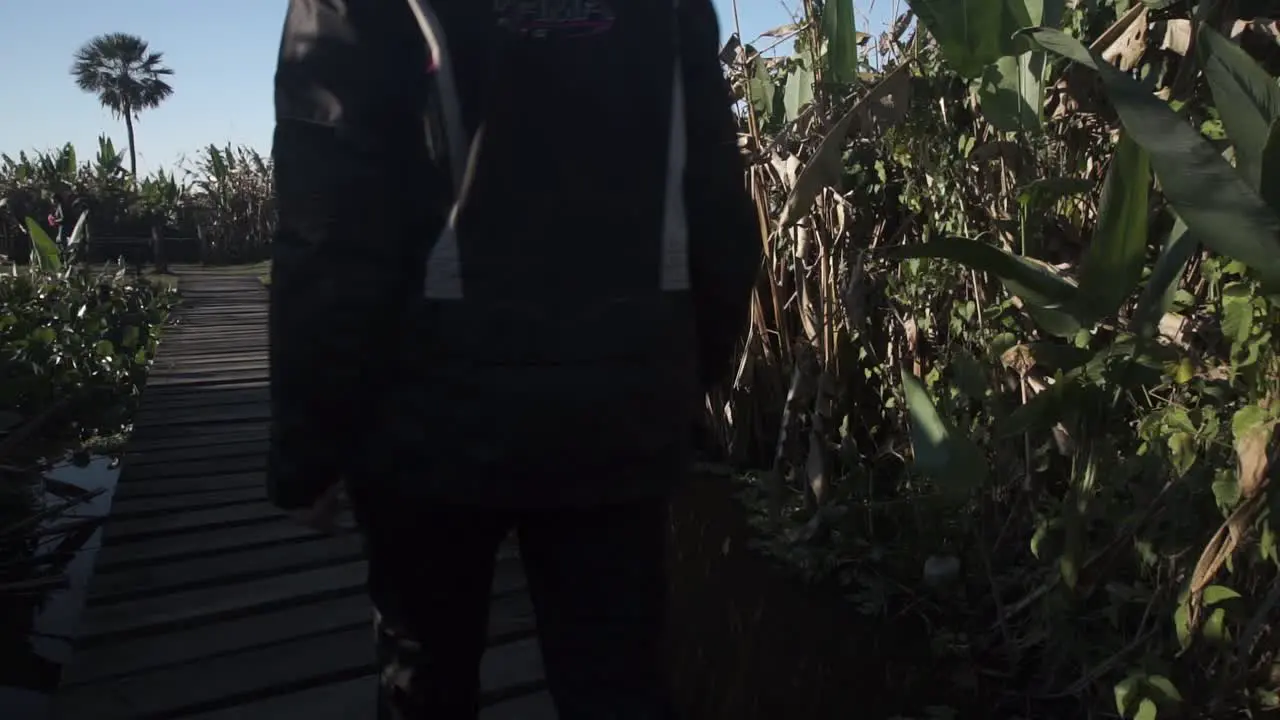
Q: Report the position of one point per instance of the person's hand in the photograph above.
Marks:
(322, 515)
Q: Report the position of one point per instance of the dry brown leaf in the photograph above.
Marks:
(1262, 26)
(1018, 358)
(1252, 457)
(1127, 49)
(1177, 35)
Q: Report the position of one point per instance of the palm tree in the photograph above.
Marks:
(125, 75)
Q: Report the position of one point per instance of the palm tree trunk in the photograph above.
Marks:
(133, 153)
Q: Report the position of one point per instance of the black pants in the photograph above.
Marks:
(597, 578)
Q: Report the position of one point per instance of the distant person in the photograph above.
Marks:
(55, 219)
(525, 342)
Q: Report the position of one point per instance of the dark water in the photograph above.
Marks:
(57, 619)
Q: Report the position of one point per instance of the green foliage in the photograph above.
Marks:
(82, 338)
(223, 196)
(1215, 201)
(841, 36)
(1049, 355)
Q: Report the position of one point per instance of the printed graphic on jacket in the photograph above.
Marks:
(555, 19)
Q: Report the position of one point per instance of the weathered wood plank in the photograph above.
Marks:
(222, 396)
(356, 699)
(209, 379)
(201, 544)
(196, 465)
(212, 436)
(153, 527)
(538, 706)
(510, 618)
(134, 459)
(201, 415)
(250, 428)
(158, 505)
(348, 700)
(168, 612)
(184, 574)
(130, 489)
(248, 675)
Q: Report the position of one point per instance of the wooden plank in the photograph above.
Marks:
(134, 459)
(348, 700)
(219, 345)
(185, 574)
(172, 432)
(213, 435)
(510, 618)
(169, 417)
(209, 376)
(538, 706)
(196, 466)
(127, 657)
(168, 612)
(230, 356)
(357, 699)
(201, 544)
(137, 507)
(209, 379)
(131, 489)
(153, 527)
(177, 393)
(249, 675)
(229, 396)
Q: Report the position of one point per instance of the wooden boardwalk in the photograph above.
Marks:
(206, 601)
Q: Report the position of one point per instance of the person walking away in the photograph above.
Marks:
(56, 219)
(523, 345)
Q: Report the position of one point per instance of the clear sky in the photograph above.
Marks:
(223, 55)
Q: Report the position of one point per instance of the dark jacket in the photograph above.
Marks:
(547, 340)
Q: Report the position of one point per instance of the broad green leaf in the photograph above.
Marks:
(1011, 92)
(760, 87)
(969, 375)
(1112, 265)
(1126, 693)
(1161, 288)
(1215, 594)
(1164, 690)
(1215, 627)
(1214, 200)
(841, 34)
(1247, 98)
(953, 462)
(1182, 452)
(1182, 624)
(1226, 492)
(1269, 183)
(1246, 419)
(799, 91)
(1147, 710)
(973, 35)
(45, 251)
(1052, 189)
(1034, 283)
(1237, 312)
(1057, 323)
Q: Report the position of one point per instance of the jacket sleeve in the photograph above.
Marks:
(357, 199)
(725, 245)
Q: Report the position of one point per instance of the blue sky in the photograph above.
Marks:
(223, 56)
